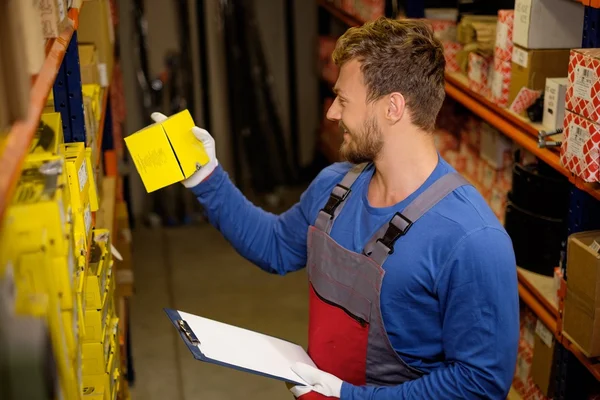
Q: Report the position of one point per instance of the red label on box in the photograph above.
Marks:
(504, 35)
(443, 29)
(580, 151)
(583, 93)
(524, 100)
(451, 50)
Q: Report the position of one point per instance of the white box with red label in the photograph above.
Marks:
(479, 73)
(580, 150)
(583, 93)
(504, 35)
(501, 82)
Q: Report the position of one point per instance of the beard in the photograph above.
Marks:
(364, 146)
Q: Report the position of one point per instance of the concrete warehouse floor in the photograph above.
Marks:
(194, 269)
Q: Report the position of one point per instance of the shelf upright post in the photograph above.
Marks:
(68, 96)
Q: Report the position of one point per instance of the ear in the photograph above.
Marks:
(396, 107)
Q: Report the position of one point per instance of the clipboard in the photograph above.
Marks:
(237, 348)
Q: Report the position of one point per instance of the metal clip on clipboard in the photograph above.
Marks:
(187, 331)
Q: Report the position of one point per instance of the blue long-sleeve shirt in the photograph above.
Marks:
(449, 297)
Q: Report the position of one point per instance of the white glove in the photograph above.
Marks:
(209, 146)
(319, 381)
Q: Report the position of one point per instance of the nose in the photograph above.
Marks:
(334, 112)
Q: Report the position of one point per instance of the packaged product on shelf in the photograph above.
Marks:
(444, 30)
(548, 24)
(530, 68)
(522, 381)
(584, 83)
(479, 73)
(501, 82)
(580, 152)
(54, 17)
(167, 152)
(96, 27)
(96, 320)
(582, 302)
(504, 35)
(554, 103)
(451, 50)
(99, 269)
(49, 135)
(32, 36)
(88, 64)
(369, 10)
(543, 359)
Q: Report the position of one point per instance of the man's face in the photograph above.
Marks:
(363, 138)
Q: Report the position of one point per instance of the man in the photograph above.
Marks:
(413, 289)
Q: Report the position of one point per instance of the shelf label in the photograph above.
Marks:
(87, 215)
(82, 176)
(520, 57)
(584, 81)
(62, 14)
(521, 22)
(103, 74)
(595, 246)
(578, 136)
(544, 333)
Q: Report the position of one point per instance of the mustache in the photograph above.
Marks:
(343, 127)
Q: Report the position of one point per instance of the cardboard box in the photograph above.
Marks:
(96, 27)
(54, 17)
(167, 152)
(580, 151)
(548, 24)
(33, 38)
(479, 73)
(504, 35)
(530, 68)
(88, 64)
(554, 103)
(543, 360)
(581, 322)
(584, 83)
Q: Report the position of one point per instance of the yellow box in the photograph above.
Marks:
(97, 320)
(81, 283)
(49, 135)
(77, 173)
(98, 270)
(64, 269)
(98, 357)
(38, 209)
(88, 64)
(93, 189)
(167, 152)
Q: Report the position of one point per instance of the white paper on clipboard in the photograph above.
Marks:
(242, 349)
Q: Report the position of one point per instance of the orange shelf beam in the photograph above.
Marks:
(341, 15)
(539, 297)
(537, 307)
(22, 132)
(515, 128)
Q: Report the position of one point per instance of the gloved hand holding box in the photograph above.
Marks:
(167, 152)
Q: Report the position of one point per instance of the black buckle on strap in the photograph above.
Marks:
(335, 200)
(394, 233)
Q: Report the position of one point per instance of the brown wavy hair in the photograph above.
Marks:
(398, 56)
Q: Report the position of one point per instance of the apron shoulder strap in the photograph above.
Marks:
(381, 244)
(337, 198)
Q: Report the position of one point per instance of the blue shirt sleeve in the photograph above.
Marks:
(478, 296)
(277, 244)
